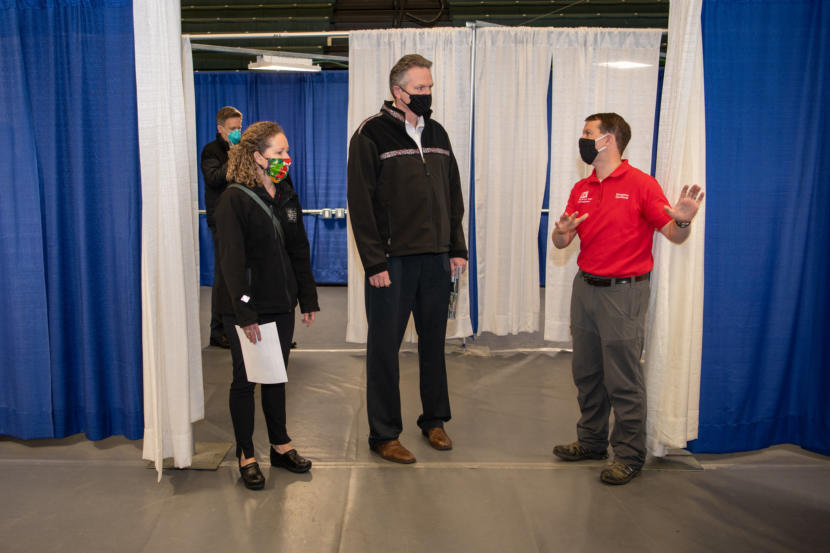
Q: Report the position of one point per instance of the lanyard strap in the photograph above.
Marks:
(274, 219)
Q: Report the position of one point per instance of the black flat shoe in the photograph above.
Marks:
(252, 476)
(220, 342)
(290, 460)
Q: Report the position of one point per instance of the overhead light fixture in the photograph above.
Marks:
(277, 63)
(624, 64)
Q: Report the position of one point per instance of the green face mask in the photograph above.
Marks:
(278, 168)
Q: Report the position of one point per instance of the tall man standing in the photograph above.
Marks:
(406, 208)
(615, 212)
(214, 169)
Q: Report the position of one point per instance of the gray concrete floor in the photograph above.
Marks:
(499, 490)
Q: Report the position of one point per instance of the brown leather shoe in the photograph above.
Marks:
(438, 439)
(395, 452)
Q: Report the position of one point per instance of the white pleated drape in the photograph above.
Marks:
(173, 392)
(674, 340)
(594, 70)
(511, 154)
(371, 56)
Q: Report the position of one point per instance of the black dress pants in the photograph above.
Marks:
(242, 392)
(420, 284)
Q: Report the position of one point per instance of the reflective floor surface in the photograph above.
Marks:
(499, 490)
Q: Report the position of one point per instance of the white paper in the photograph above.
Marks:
(263, 361)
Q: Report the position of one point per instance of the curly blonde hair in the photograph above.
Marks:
(241, 165)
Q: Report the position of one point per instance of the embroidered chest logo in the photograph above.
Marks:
(291, 214)
(621, 196)
(584, 198)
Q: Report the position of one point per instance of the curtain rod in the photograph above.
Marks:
(332, 34)
(299, 34)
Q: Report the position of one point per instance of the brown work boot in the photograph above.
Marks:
(438, 439)
(577, 452)
(394, 451)
(619, 473)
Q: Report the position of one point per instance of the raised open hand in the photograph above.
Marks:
(568, 223)
(687, 205)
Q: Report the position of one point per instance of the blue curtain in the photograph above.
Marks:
(70, 358)
(765, 348)
(311, 107)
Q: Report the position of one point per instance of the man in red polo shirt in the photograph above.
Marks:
(614, 212)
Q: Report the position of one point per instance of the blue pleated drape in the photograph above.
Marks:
(311, 108)
(767, 307)
(70, 358)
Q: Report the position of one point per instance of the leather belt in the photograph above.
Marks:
(596, 280)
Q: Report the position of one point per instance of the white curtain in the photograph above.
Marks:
(511, 153)
(173, 392)
(371, 56)
(673, 345)
(594, 70)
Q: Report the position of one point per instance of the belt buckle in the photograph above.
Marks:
(596, 280)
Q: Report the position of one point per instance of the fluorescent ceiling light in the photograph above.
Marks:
(276, 63)
(624, 64)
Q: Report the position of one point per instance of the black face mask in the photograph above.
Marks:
(419, 103)
(588, 149)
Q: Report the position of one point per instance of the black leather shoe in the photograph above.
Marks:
(252, 476)
(290, 460)
(221, 342)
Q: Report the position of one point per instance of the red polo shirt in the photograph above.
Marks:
(624, 211)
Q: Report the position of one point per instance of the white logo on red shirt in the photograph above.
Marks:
(621, 196)
(584, 198)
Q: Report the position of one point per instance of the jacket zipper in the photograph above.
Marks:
(389, 228)
(283, 257)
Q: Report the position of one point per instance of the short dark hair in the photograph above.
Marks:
(226, 113)
(614, 124)
(405, 64)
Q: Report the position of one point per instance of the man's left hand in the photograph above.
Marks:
(687, 205)
(457, 262)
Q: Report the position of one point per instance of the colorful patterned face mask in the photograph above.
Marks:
(278, 168)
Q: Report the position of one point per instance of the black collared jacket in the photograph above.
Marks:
(401, 203)
(214, 167)
(259, 274)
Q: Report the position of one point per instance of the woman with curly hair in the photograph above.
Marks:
(265, 269)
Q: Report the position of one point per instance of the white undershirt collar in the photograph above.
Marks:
(415, 132)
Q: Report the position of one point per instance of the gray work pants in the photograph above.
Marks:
(608, 327)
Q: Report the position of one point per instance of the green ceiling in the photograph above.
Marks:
(239, 16)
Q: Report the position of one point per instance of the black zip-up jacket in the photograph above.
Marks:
(255, 264)
(401, 203)
(214, 170)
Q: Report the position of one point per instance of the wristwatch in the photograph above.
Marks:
(682, 224)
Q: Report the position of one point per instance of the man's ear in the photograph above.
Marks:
(400, 93)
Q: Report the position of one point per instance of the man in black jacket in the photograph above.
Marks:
(214, 169)
(406, 209)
